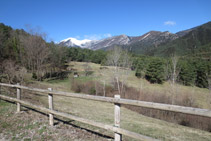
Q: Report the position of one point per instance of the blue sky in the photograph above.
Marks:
(96, 19)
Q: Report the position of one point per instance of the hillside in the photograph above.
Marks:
(149, 41)
(197, 41)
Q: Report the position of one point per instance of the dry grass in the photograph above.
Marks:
(200, 95)
(104, 112)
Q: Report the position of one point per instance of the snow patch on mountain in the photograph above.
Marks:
(75, 42)
(145, 36)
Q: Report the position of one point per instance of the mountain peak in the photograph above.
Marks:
(75, 42)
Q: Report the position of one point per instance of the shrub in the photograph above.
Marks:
(89, 73)
(34, 75)
(92, 91)
(90, 87)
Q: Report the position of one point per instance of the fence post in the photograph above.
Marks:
(117, 136)
(18, 97)
(0, 92)
(50, 101)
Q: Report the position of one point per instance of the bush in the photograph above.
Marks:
(34, 75)
(139, 73)
(77, 87)
(87, 73)
(91, 87)
(92, 91)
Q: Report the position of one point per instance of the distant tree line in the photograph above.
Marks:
(191, 71)
(22, 52)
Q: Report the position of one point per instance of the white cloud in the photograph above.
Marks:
(170, 23)
(107, 35)
(97, 36)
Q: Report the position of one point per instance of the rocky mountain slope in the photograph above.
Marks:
(151, 43)
(152, 37)
(149, 40)
(196, 41)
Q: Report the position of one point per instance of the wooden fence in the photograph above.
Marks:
(117, 101)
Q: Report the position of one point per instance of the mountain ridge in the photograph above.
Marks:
(149, 43)
(110, 41)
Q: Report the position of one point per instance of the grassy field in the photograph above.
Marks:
(104, 112)
(200, 95)
(132, 121)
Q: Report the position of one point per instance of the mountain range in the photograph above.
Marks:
(152, 42)
(157, 37)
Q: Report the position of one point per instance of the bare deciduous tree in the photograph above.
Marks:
(174, 74)
(103, 73)
(87, 69)
(1, 44)
(13, 72)
(57, 56)
(121, 63)
(35, 53)
(175, 70)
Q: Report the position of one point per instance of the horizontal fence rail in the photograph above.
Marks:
(86, 121)
(152, 105)
(117, 101)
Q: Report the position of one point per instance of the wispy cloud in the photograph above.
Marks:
(170, 23)
(77, 37)
(107, 35)
(97, 36)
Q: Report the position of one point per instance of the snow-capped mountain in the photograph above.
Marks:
(152, 38)
(108, 42)
(73, 42)
(96, 44)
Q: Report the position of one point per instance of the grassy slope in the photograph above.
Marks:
(103, 112)
(200, 95)
(130, 120)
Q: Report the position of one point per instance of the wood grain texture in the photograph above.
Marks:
(18, 97)
(50, 103)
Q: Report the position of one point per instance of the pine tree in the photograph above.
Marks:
(187, 73)
(155, 71)
(201, 74)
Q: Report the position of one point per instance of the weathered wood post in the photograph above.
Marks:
(117, 136)
(50, 101)
(18, 97)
